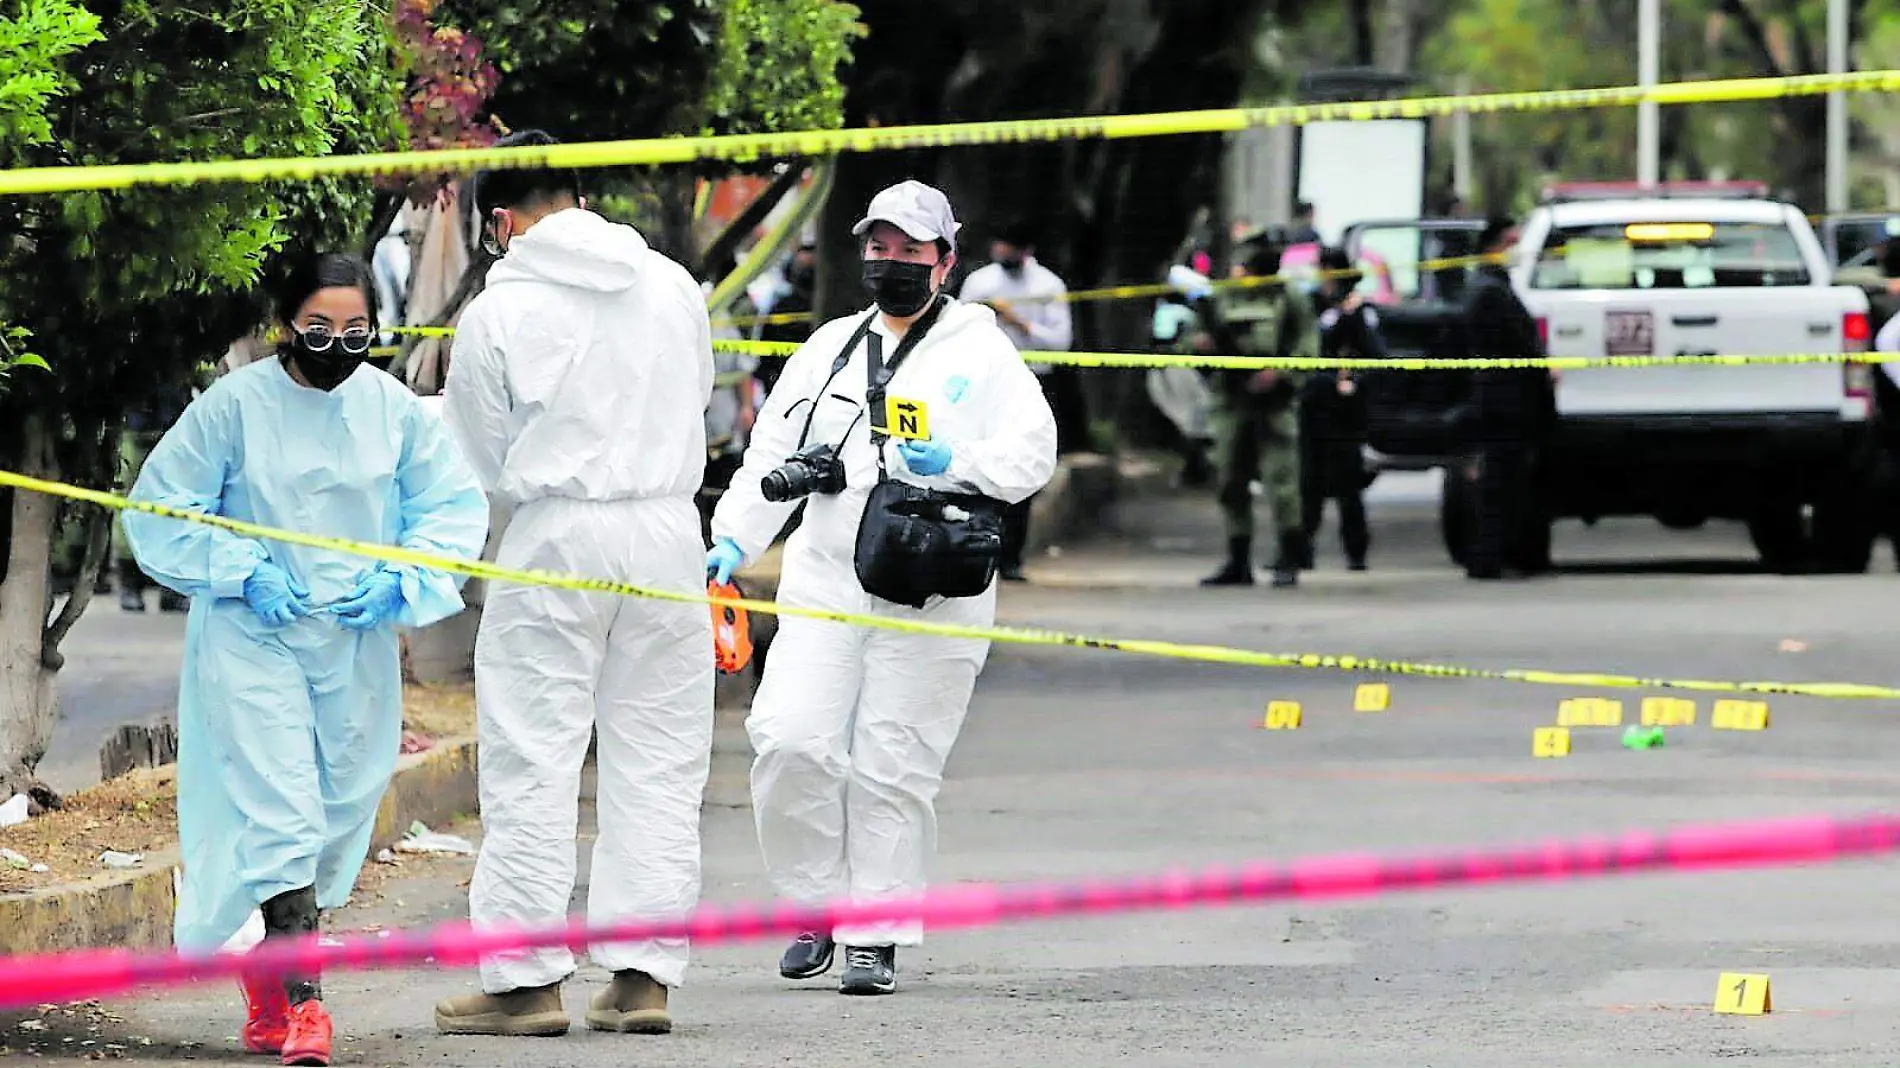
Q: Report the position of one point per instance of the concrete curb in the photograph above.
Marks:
(133, 910)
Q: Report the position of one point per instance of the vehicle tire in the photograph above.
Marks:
(1454, 513)
(1535, 546)
(1844, 530)
(1776, 530)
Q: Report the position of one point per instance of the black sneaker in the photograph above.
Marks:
(869, 970)
(808, 957)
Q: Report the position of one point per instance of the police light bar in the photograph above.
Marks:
(1669, 232)
(1743, 190)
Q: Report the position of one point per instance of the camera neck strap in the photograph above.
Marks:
(837, 365)
(878, 372)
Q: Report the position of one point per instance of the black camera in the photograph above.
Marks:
(817, 469)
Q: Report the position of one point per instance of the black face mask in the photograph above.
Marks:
(324, 370)
(802, 277)
(1013, 265)
(900, 289)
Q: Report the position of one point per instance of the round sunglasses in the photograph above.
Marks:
(318, 338)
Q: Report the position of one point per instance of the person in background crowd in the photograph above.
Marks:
(578, 388)
(1302, 232)
(1256, 417)
(1028, 300)
(1514, 410)
(1887, 404)
(144, 427)
(1182, 395)
(290, 701)
(734, 402)
(1333, 413)
(798, 297)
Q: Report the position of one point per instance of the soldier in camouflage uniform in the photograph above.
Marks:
(1256, 415)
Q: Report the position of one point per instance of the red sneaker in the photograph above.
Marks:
(308, 1040)
(267, 1012)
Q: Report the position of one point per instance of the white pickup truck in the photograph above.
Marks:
(1786, 449)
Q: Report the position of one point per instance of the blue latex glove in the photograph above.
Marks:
(928, 457)
(374, 601)
(276, 597)
(722, 560)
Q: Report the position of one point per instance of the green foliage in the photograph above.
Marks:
(34, 42)
(1501, 45)
(125, 292)
(448, 83)
(777, 66)
(596, 69)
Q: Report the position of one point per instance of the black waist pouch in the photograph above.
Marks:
(916, 543)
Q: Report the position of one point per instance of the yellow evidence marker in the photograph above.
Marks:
(906, 418)
(1668, 712)
(1551, 742)
(1739, 994)
(1589, 712)
(1372, 697)
(1734, 715)
(1282, 716)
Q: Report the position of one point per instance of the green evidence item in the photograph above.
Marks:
(1636, 737)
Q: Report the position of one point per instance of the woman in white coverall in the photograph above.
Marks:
(852, 725)
(577, 387)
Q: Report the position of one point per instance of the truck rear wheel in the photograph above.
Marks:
(1454, 513)
(1844, 532)
(1776, 530)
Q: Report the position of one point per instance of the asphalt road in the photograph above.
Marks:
(1078, 763)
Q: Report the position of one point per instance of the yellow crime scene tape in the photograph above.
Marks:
(1215, 654)
(754, 147)
(780, 349)
(1105, 293)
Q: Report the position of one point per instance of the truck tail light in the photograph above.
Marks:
(1543, 332)
(1855, 331)
(1858, 379)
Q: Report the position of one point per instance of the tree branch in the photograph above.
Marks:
(472, 276)
(1804, 47)
(1755, 32)
(729, 239)
(388, 206)
(98, 536)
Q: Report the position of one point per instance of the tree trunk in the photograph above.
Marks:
(1398, 36)
(1365, 51)
(28, 699)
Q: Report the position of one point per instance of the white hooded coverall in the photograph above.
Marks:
(852, 725)
(577, 387)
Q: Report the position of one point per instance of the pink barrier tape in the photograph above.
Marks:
(86, 974)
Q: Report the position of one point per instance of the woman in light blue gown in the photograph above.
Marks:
(290, 701)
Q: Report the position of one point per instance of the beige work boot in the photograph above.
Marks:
(532, 1011)
(634, 1004)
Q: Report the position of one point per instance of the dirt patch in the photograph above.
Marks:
(135, 813)
(138, 812)
(439, 711)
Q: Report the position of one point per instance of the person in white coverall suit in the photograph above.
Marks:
(852, 725)
(577, 386)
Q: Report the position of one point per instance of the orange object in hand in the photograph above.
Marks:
(732, 631)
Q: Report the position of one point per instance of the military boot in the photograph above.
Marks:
(1238, 571)
(1294, 549)
(131, 587)
(635, 1005)
(531, 1011)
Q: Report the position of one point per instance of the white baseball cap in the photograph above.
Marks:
(919, 210)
